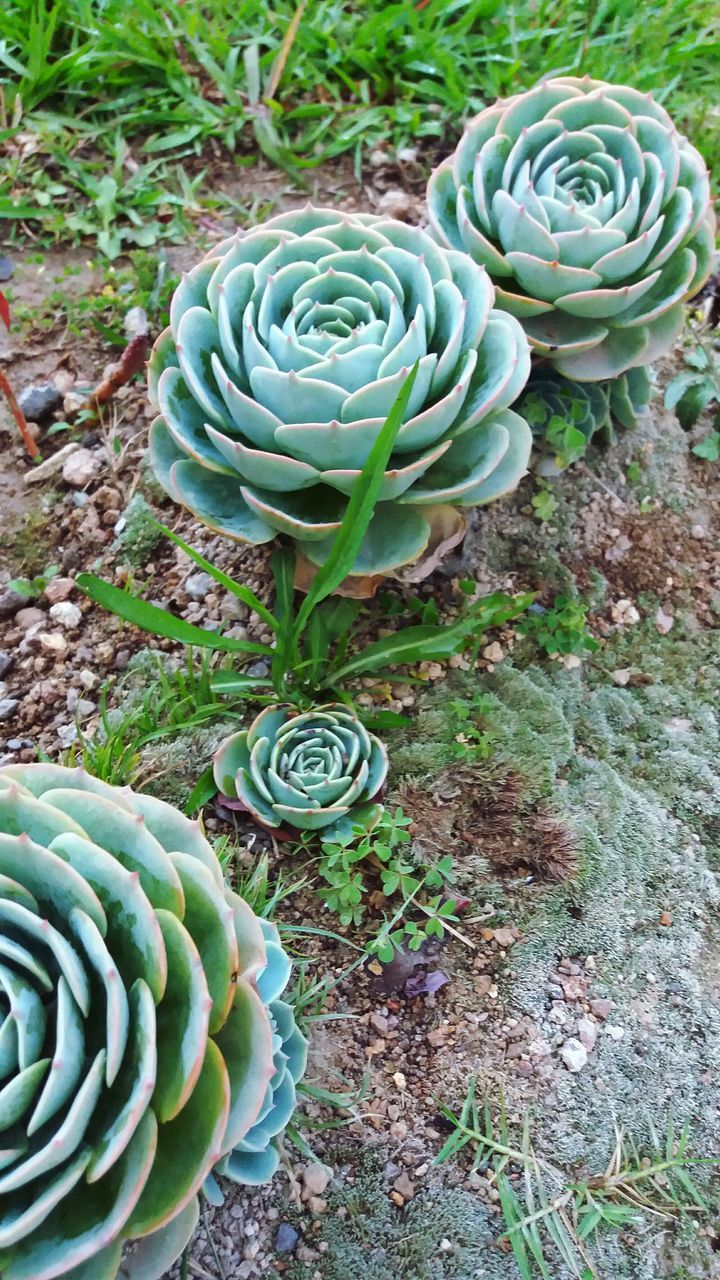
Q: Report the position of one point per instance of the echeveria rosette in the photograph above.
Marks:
(315, 770)
(255, 1158)
(136, 1049)
(286, 350)
(591, 213)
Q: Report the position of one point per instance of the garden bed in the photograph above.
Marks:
(580, 985)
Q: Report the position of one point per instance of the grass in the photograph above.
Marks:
(547, 1214)
(114, 130)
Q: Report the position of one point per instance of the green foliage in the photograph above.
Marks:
(356, 78)
(544, 503)
(474, 738)
(547, 1214)
(149, 1041)
(697, 387)
(560, 629)
(709, 447)
(33, 587)
(140, 535)
(358, 862)
(171, 702)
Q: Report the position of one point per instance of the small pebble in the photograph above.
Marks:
(574, 1055)
(286, 1238)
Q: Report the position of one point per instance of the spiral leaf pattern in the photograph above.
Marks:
(315, 770)
(286, 350)
(136, 1047)
(590, 212)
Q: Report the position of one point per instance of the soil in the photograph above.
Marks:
(587, 844)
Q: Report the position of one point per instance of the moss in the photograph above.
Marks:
(140, 535)
(443, 1234)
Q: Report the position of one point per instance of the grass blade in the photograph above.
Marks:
(160, 622)
(359, 510)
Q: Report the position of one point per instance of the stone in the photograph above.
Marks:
(59, 589)
(66, 614)
(10, 602)
(39, 401)
(494, 652)
(621, 677)
(51, 465)
(574, 1055)
(316, 1178)
(504, 937)
(88, 679)
(404, 1186)
(53, 642)
(587, 1034)
(395, 203)
(80, 468)
(601, 1008)
(286, 1238)
(6, 661)
(135, 323)
(664, 622)
(197, 585)
(379, 1022)
(29, 617)
(7, 707)
(574, 988)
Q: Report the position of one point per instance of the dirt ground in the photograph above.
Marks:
(588, 844)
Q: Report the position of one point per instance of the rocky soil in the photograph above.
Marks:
(583, 987)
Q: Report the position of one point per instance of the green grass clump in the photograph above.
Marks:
(98, 91)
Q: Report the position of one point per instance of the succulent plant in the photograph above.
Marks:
(590, 212)
(286, 350)
(255, 1157)
(136, 1046)
(314, 770)
(551, 404)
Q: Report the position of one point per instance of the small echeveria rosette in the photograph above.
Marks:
(314, 771)
(287, 348)
(591, 213)
(136, 1047)
(592, 408)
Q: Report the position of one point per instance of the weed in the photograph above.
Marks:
(561, 629)
(308, 659)
(171, 703)
(545, 1210)
(362, 865)
(544, 503)
(31, 588)
(697, 388)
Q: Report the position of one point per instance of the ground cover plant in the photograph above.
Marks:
(479, 811)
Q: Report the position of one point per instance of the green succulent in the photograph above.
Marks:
(314, 770)
(136, 1046)
(286, 350)
(565, 415)
(255, 1158)
(592, 215)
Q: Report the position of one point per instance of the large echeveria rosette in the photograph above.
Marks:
(591, 213)
(317, 770)
(136, 1049)
(286, 349)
